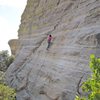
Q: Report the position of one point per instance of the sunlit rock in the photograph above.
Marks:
(38, 74)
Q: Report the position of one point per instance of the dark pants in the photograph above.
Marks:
(49, 43)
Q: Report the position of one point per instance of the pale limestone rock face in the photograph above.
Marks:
(13, 45)
(38, 74)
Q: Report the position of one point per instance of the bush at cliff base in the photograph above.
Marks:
(92, 85)
(6, 93)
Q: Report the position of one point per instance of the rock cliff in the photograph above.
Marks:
(38, 74)
(13, 45)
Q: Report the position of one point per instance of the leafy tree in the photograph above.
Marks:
(5, 60)
(92, 85)
(6, 93)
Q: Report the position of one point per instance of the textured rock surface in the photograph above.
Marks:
(38, 74)
(13, 45)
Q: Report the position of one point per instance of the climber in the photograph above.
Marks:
(49, 39)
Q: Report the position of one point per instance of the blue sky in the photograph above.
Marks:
(10, 16)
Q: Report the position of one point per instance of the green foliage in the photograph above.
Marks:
(5, 60)
(78, 98)
(7, 93)
(2, 78)
(92, 85)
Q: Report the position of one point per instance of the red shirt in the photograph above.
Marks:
(49, 38)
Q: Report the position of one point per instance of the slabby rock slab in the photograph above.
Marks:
(38, 74)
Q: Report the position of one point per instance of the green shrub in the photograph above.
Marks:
(7, 93)
(92, 85)
(2, 78)
(5, 60)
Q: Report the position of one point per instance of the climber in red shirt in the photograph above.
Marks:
(49, 39)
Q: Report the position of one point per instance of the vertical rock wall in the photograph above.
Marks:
(38, 74)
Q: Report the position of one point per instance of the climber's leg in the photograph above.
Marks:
(48, 45)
